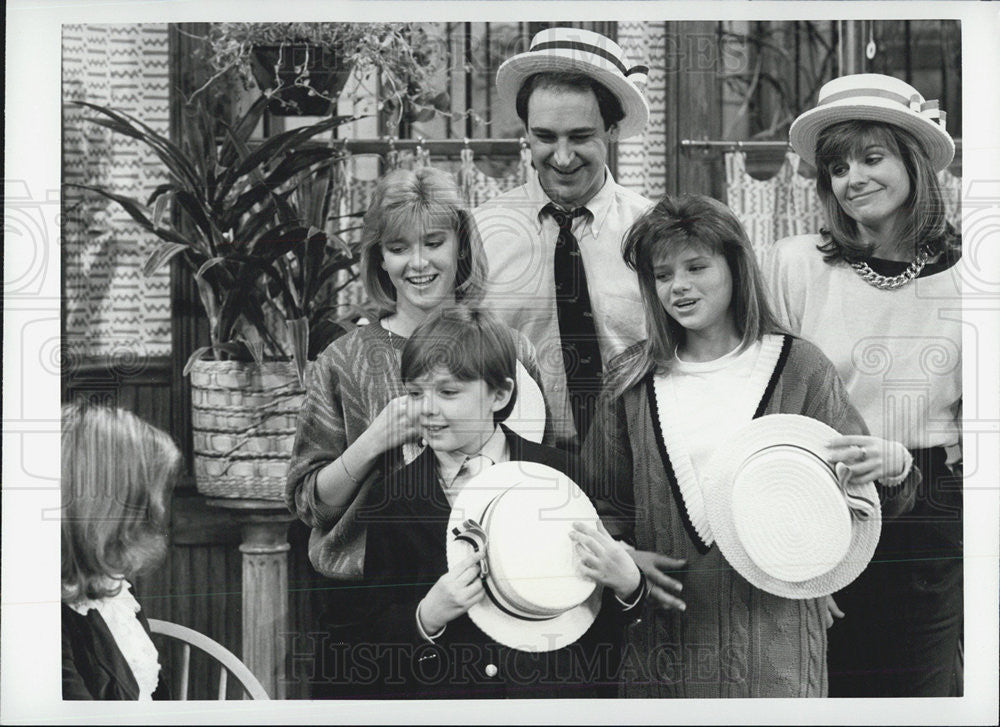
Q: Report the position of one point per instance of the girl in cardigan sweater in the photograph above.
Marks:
(714, 359)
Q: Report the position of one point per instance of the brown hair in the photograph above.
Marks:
(609, 105)
(407, 198)
(925, 222)
(683, 220)
(117, 474)
(470, 344)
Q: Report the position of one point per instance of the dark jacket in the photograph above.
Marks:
(405, 555)
(93, 666)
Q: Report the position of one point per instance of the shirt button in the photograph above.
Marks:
(491, 670)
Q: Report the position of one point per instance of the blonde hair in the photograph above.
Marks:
(408, 199)
(117, 473)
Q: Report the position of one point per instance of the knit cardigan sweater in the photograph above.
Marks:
(734, 640)
(348, 385)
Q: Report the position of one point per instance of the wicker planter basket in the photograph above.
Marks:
(243, 420)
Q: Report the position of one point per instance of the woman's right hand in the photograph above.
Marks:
(661, 586)
(397, 423)
(454, 593)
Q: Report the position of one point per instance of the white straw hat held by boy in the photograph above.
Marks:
(481, 580)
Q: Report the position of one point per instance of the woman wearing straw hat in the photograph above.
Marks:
(878, 291)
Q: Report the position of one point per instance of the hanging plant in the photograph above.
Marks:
(303, 67)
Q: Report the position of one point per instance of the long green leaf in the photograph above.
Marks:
(274, 147)
(285, 171)
(199, 215)
(161, 256)
(298, 333)
(241, 130)
(169, 153)
(209, 264)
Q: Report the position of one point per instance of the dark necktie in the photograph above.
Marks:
(580, 350)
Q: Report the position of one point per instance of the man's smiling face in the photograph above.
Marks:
(569, 144)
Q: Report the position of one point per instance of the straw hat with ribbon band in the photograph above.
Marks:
(521, 513)
(783, 517)
(874, 97)
(586, 52)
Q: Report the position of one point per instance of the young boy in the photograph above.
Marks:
(458, 369)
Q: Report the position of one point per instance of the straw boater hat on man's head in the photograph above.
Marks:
(874, 97)
(580, 51)
(783, 517)
(521, 513)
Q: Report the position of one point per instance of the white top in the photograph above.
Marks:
(520, 247)
(120, 614)
(700, 405)
(898, 352)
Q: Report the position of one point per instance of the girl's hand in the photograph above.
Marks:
(831, 612)
(397, 423)
(869, 458)
(661, 586)
(604, 560)
(454, 593)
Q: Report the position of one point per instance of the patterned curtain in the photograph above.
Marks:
(112, 309)
(787, 203)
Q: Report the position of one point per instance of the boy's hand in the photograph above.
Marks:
(661, 586)
(604, 560)
(453, 594)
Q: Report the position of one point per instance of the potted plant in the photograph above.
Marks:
(248, 224)
(303, 67)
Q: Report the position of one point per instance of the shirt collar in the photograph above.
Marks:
(598, 206)
(494, 449)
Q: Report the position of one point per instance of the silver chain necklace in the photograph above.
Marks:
(896, 281)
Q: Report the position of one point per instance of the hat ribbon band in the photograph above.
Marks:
(926, 108)
(589, 48)
(475, 535)
(860, 507)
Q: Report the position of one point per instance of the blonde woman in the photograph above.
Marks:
(117, 476)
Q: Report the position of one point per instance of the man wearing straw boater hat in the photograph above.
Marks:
(554, 244)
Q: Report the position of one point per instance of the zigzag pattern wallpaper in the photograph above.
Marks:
(642, 159)
(111, 309)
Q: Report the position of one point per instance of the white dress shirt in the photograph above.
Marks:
(520, 245)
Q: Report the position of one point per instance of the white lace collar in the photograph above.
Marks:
(120, 614)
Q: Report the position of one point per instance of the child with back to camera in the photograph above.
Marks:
(117, 476)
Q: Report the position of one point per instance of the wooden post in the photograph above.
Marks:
(694, 106)
(264, 528)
